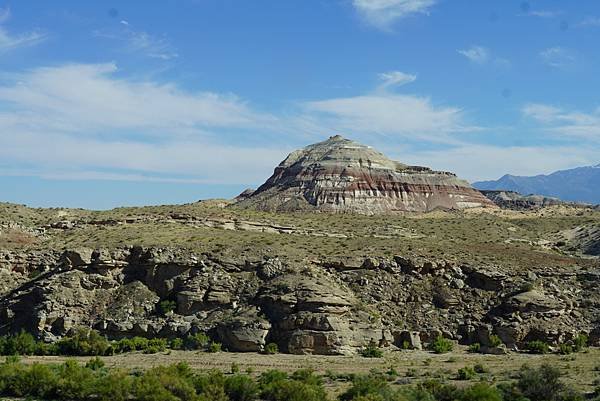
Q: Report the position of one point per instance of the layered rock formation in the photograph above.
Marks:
(333, 307)
(339, 175)
(516, 201)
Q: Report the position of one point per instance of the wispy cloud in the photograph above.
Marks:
(4, 14)
(590, 21)
(482, 55)
(566, 123)
(394, 78)
(542, 14)
(476, 54)
(140, 42)
(558, 57)
(383, 13)
(152, 46)
(476, 162)
(10, 41)
(398, 116)
(95, 122)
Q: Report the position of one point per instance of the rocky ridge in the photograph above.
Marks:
(516, 201)
(327, 307)
(339, 175)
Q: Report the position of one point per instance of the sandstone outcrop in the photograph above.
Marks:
(334, 307)
(339, 175)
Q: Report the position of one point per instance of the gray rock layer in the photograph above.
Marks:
(332, 307)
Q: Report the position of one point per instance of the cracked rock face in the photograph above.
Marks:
(339, 175)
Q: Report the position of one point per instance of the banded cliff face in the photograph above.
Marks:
(339, 175)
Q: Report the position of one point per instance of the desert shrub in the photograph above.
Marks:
(543, 384)
(439, 391)
(36, 380)
(441, 345)
(95, 364)
(565, 349)
(167, 306)
(271, 349)
(537, 347)
(371, 351)
(74, 381)
(210, 385)
(474, 348)
(196, 341)
(495, 341)
(466, 373)
(22, 343)
(241, 388)
(293, 390)
(214, 347)
(235, 368)
(83, 342)
(165, 383)
(365, 386)
(116, 385)
(479, 392)
(580, 342)
(479, 368)
(176, 343)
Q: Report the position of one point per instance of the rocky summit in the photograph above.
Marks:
(340, 175)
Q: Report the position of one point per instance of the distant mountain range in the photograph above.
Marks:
(581, 184)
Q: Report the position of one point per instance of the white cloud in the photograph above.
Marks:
(4, 14)
(395, 78)
(590, 21)
(558, 57)
(89, 96)
(140, 42)
(151, 46)
(9, 41)
(486, 162)
(76, 119)
(566, 123)
(405, 116)
(383, 13)
(542, 14)
(476, 54)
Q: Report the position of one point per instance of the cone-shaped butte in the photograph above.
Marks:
(340, 175)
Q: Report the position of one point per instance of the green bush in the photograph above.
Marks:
(480, 392)
(565, 349)
(475, 348)
(84, 342)
(543, 384)
(214, 347)
(495, 341)
(241, 388)
(537, 347)
(479, 368)
(271, 349)
(196, 341)
(167, 306)
(176, 343)
(441, 345)
(18, 344)
(365, 386)
(371, 351)
(466, 373)
(580, 342)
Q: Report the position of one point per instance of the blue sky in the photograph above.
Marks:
(127, 103)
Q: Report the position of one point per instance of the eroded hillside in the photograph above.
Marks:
(313, 283)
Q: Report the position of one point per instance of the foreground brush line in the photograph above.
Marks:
(85, 342)
(178, 382)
